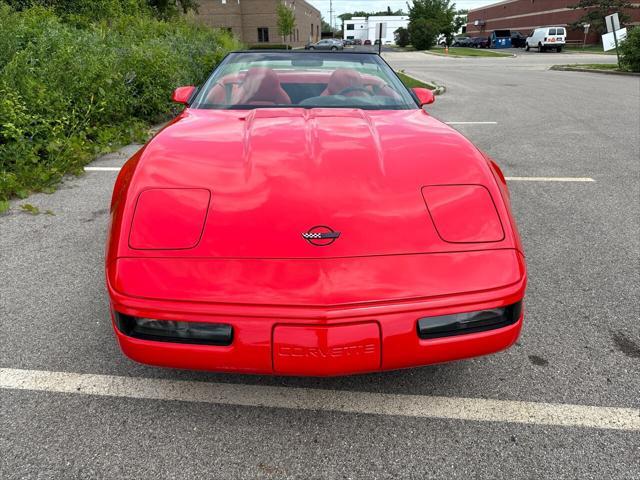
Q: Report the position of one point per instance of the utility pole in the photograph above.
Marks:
(331, 16)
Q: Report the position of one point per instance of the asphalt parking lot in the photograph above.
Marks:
(570, 142)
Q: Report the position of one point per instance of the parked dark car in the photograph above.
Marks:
(518, 40)
(348, 42)
(357, 41)
(461, 42)
(326, 44)
(479, 42)
(367, 42)
(377, 42)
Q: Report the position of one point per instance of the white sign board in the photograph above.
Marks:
(613, 22)
(608, 42)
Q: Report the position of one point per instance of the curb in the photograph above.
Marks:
(567, 68)
(438, 54)
(437, 89)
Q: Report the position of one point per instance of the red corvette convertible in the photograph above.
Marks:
(305, 216)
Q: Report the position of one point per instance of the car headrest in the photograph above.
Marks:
(342, 79)
(262, 85)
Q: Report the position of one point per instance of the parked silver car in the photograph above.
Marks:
(326, 44)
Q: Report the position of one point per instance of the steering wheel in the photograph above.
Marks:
(344, 91)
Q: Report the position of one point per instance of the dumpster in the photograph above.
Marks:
(500, 39)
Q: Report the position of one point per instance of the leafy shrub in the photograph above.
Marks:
(69, 92)
(84, 10)
(402, 37)
(630, 51)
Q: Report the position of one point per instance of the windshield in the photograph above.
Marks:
(248, 80)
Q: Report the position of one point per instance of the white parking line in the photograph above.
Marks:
(456, 408)
(471, 123)
(101, 169)
(549, 179)
(514, 179)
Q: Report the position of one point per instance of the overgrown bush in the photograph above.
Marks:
(84, 10)
(630, 51)
(71, 89)
(402, 37)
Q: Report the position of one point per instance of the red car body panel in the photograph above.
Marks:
(425, 230)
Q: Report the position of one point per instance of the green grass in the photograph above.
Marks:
(597, 66)
(411, 82)
(468, 52)
(587, 49)
(591, 66)
(605, 67)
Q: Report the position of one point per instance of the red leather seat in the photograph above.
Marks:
(342, 79)
(261, 86)
(217, 95)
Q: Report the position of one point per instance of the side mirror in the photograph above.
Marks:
(425, 96)
(183, 94)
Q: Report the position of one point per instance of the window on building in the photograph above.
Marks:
(351, 27)
(263, 35)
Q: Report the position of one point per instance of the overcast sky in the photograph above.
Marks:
(345, 6)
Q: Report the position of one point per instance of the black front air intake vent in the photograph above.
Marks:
(198, 333)
(470, 322)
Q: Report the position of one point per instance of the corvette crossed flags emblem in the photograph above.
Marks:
(321, 236)
(309, 236)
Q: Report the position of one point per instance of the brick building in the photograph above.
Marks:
(526, 15)
(256, 22)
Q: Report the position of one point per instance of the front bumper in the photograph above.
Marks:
(307, 339)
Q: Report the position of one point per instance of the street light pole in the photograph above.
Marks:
(331, 16)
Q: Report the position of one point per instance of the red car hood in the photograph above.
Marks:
(275, 173)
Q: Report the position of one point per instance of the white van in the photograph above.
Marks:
(546, 38)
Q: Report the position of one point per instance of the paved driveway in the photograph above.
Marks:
(106, 417)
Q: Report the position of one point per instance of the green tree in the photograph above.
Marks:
(326, 27)
(430, 18)
(423, 33)
(170, 8)
(596, 10)
(402, 37)
(286, 21)
(462, 17)
(387, 12)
